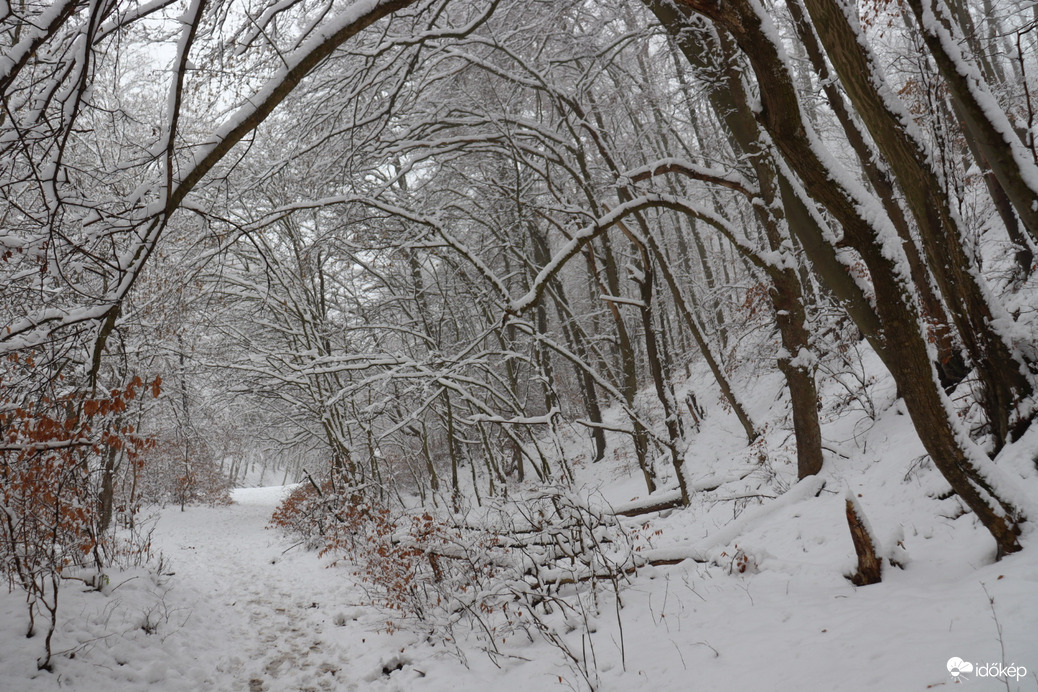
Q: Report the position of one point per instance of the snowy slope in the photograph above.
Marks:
(248, 610)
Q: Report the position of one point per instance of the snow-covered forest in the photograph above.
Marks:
(518, 344)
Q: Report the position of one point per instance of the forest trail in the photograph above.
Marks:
(226, 605)
(260, 614)
(265, 607)
(245, 610)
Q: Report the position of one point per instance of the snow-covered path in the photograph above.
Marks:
(279, 620)
(269, 614)
(242, 610)
(276, 617)
(247, 612)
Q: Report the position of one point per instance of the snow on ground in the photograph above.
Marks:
(246, 609)
(259, 475)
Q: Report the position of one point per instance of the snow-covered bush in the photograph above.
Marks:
(511, 567)
(57, 458)
(167, 475)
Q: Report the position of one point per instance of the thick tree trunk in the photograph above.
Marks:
(796, 363)
(690, 35)
(939, 228)
(949, 359)
(912, 370)
(985, 123)
(1023, 255)
(992, 69)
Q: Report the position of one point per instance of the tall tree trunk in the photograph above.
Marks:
(787, 297)
(452, 449)
(906, 153)
(697, 42)
(952, 453)
(106, 497)
(949, 360)
(574, 341)
(628, 362)
(1023, 255)
(985, 123)
(797, 362)
(626, 194)
(656, 369)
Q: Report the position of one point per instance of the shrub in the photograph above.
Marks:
(55, 486)
(502, 570)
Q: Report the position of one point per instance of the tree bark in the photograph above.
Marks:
(628, 363)
(939, 228)
(686, 30)
(870, 567)
(912, 369)
(796, 361)
(985, 123)
(950, 362)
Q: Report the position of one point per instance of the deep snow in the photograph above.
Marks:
(246, 609)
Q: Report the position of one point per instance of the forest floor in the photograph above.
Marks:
(235, 606)
(244, 610)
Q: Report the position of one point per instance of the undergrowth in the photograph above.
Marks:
(535, 568)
